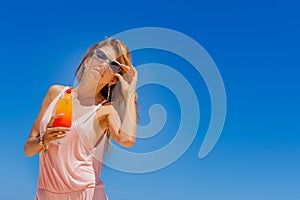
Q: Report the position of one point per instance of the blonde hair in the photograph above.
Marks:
(123, 57)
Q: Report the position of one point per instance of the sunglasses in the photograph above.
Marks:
(101, 57)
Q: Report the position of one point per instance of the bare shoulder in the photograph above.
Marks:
(53, 91)
(56, 88)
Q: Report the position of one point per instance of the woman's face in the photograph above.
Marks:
(98, 67)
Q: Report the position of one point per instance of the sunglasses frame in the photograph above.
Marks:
(114, 66)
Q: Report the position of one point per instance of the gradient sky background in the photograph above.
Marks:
(256, 47)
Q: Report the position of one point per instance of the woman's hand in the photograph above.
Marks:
(128, 81)
(54, 133)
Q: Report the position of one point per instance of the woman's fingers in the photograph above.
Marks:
(57, 129)
(61, 136)
(135, 74)
(121, 79)
(50, 124)
(57, 135)
(133, 68)
(54, 133)
(125, 67)
(131, 73)
(128, 81)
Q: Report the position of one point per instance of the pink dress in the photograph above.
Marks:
(71, 171)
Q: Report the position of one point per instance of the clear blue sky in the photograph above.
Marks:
(256, 47)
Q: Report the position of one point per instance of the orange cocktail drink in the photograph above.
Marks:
(64, 105)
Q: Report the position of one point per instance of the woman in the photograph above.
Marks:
(71, 170)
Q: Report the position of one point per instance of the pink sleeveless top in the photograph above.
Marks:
(72, 169)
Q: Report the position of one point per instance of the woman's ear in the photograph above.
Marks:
(113, 81)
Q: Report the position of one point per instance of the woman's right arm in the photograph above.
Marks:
(32, 145)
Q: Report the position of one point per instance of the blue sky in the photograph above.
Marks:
(255, 46)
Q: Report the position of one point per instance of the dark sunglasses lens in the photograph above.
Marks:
(100, 54)
(115, 66)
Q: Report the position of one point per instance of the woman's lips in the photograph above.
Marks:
(98, 71)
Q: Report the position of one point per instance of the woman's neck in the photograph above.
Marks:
(87, 94)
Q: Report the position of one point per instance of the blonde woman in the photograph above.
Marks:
(104, 107)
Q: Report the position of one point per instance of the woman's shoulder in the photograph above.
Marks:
(54, 90)
(52, 93)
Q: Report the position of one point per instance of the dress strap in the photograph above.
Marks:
(99, 105)
(65, 88)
